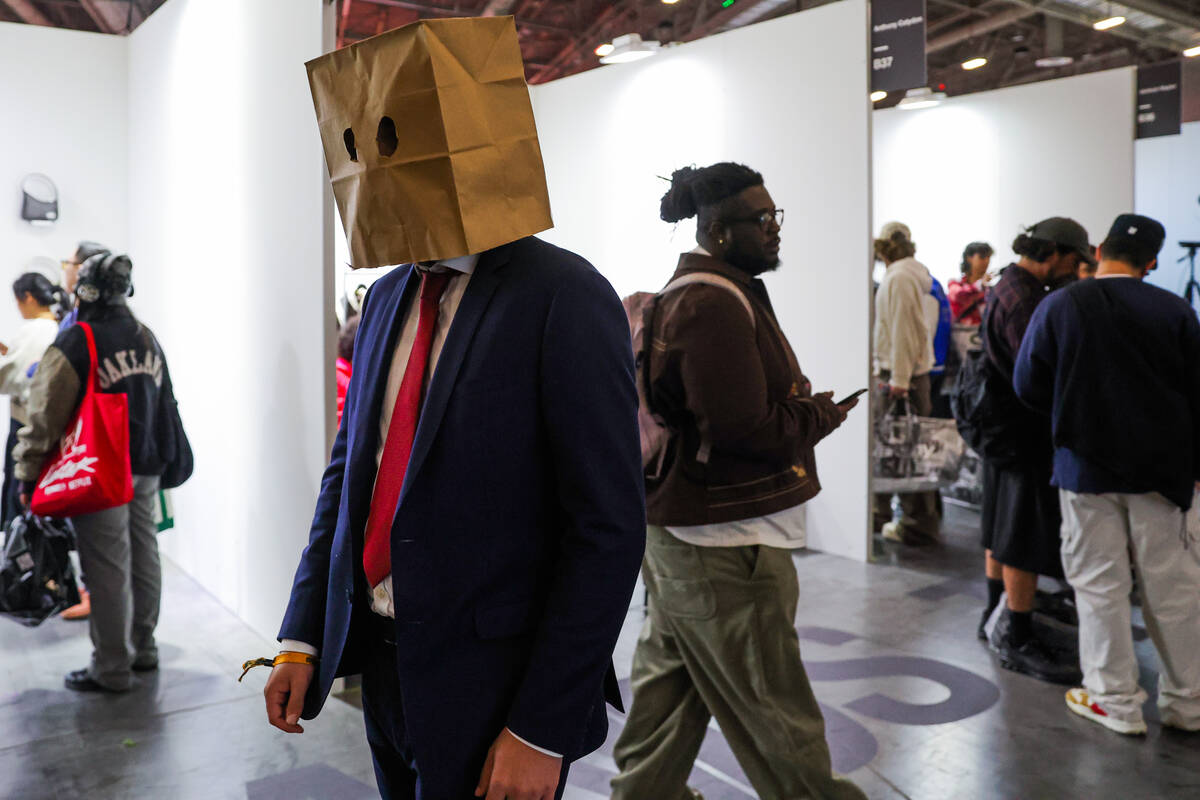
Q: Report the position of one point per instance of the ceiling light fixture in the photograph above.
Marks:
(877, 96)
(1109, 23)
(1192, 52)
(629, 47)
(1051, 62)
(670, 2)
(604, 49)
(974, 63)
(916, 99)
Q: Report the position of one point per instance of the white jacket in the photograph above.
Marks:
(33, 338)
(903, 338)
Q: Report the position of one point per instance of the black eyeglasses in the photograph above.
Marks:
(763, 218)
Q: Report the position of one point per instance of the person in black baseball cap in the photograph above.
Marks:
(1115, 364)
(1133, 241)
(1020, 519)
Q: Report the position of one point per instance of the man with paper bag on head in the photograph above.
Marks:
(481, 522)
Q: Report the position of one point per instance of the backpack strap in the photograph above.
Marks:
(709, 279)
(713, 279)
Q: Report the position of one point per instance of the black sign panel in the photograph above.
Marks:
(1159, 100)
(898, 45)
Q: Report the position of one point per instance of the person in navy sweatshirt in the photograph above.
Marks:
(1115, 362)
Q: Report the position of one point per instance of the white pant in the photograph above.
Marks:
(1101, 532)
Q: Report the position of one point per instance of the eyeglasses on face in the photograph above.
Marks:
(763, 218)
(67, 264)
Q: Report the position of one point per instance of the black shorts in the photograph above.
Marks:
(1021, 518)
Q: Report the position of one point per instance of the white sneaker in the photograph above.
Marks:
(1170, 720)
(1079, 702)
(893, 532)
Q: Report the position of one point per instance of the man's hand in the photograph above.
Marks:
(839, 411)
(285, 695)
(515, 771)
(897, 392)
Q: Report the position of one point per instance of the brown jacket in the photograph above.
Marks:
(730, 389)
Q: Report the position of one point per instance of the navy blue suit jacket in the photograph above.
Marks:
(521, 525)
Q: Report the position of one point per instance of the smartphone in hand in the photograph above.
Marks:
(851, 398)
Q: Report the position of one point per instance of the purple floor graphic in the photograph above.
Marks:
(318, 782)
(851, 744)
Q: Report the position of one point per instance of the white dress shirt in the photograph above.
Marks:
(382, 595)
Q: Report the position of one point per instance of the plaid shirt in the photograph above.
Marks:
(1010, 306)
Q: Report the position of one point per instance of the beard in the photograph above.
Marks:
(753, 265)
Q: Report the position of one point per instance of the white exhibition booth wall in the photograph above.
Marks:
(749, 95)
(982, 166)
(229, 230)
(66, 116)
(1168, 189)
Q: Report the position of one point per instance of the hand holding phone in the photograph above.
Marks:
(851, 398)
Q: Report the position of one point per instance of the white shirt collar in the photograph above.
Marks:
(464, 264)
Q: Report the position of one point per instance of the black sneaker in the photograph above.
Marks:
(1032, 658)
(81, 681)
(1059, 606)
(981, 631)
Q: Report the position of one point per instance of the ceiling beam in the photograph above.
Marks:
(102, 13)
(980, 28)
(28, 12)
(1175, 16)
(498, 8)
(1071, 13)
(611, 15)
(442, 11)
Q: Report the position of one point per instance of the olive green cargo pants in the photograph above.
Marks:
(720, 641)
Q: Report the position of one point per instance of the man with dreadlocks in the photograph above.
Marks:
(719, 638)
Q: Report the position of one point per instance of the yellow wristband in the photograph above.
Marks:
(288, 657)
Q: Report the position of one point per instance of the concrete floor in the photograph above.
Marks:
(915, 706)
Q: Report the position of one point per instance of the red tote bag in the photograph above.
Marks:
(91, 471)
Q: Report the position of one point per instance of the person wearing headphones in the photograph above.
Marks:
(118, 548)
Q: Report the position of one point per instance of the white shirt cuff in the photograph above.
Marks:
(533, 746)
(293, 646)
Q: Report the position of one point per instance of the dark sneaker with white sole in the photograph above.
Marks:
(81, 681)
(1032, 657)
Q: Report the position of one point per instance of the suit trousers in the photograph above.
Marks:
(396, 772)
(118, 551)
(720, 641)
(1101, 534)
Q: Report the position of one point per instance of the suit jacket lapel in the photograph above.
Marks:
(466, 321)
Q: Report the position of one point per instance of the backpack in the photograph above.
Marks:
(990, 418)
(36, 577)
(640, 311)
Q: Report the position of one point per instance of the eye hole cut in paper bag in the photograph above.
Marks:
(430, 141)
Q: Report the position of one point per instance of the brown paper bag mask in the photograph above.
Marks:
(430, 141)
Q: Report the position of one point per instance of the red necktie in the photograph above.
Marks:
(377, 549)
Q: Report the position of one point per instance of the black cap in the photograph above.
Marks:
(1065, 232)
(1146, 234)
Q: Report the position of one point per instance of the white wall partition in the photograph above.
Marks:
(229, 225)
(787, 97)
(980, 167)
(1168, 189)
(65, 115)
